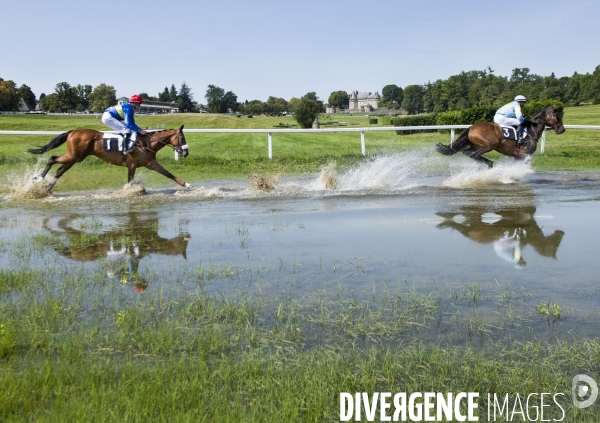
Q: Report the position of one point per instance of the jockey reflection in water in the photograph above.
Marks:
(127, 263)
(509, 248)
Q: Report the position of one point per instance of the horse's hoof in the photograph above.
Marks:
(188, 185)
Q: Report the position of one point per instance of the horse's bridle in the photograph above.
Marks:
(555, 117)
(178, 149)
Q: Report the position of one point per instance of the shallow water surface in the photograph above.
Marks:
(493, 242)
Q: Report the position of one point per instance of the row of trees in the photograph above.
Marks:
(465, 90)
(80, 98)
(184, 98)
(10, 95)
(305, 109)
(484, 88)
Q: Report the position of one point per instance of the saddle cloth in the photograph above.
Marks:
(112, 142)
(509, 132)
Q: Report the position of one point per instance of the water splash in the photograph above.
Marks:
(386, 174)
(502, 173)
(132, 189)
(263, 183)
(27, 187)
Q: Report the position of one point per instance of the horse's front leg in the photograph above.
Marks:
(153, 165)
(130, 173)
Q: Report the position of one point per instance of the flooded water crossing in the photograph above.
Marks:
(496, 251)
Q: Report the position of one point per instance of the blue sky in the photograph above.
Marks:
(286, 49)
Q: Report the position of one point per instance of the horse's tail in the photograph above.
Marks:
(458, 145)
(58, 141)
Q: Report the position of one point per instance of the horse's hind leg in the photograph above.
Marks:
(51, 162)
(476, 154)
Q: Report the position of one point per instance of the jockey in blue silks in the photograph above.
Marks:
(121, 118)
(511, 115)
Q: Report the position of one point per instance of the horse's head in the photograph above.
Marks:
(179, 144)
(553, 120)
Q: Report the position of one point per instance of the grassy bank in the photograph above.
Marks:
(69, 354)
(216, 156)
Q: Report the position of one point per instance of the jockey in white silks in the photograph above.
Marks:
(511, 115)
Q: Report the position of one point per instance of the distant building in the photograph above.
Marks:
(24, 107)
(149, 106)
(363, 102)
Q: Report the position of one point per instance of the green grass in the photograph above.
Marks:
(68, 353)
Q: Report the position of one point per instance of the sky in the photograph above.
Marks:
(285, 49)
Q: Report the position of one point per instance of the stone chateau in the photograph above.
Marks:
(359, 103)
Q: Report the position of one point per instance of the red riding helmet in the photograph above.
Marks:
(136, 99)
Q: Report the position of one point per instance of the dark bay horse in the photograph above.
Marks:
(81, 143)
(484, 137)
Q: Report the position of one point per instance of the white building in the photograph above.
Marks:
(363, 102)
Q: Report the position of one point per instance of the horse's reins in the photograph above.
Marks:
(518, 146)
(176, 148)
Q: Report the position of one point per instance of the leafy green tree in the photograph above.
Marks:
(214, 98)
(164, 96)
(255, 107)
(101, 97)
(339, 99)
(276, 105)
(27, 95)
(307, 109)
(185, 100)
(67, 96)
(292, 103)
(82, 92)
(9, 97)
(391, 96)
(50, 103)
(229, 102)
(413, 99)
(173, 93)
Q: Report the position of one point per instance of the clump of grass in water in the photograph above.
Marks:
(263, 183)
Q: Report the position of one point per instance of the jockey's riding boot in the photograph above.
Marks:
(129, 146)
(520, 131)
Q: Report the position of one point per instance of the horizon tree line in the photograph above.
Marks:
(467, 89)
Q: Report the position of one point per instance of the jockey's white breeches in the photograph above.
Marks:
(113, 123)
(506, 121)
(117, 125)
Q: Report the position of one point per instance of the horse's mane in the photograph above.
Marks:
(158, 132)
(541, 113)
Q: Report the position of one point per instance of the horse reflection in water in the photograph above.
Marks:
(123, 247)
(509, 231)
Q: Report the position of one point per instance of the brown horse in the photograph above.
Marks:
(484, 137)
(87, 142)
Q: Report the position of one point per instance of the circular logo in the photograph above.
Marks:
(584, 391)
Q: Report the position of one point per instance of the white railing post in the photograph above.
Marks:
(270, 143)
(362, 143)
(451, 136)
(543, 146)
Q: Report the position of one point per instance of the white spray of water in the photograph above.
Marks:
(503, 173)
(27, 186)
(390, 173)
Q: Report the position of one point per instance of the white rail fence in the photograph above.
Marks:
(362, 131)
